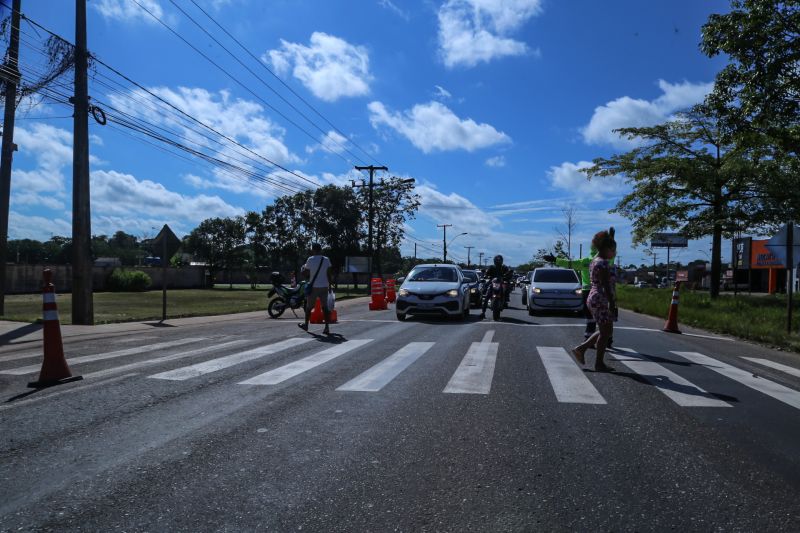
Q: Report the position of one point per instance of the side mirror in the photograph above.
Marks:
(401, 279)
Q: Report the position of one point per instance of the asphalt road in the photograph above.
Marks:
(250, 424)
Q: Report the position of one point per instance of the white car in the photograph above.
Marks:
(438, 290)
(554, 289)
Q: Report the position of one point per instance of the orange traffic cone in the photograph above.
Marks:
(317, 317)
(671, 325)
(54, 366)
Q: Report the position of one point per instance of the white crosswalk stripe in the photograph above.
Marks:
(281, 374)
(474, 374)
(777, 366)
(765, 386)
(165, 359)
(19, 371)
(384, 372)
(569, 382)
(676, 388)
(221, 363)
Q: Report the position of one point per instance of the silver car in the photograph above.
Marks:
(438, 290)
(554, 289)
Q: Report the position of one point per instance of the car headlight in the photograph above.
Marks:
(453, 293)
(473, 291)
(537, 290)
(579, 292)
(402, 292)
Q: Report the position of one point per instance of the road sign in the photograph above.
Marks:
(357, 264)
(166, 243)
(741, 253)
(668, 240)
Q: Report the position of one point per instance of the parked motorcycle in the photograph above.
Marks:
(283, 297)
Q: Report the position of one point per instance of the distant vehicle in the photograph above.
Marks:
(641, 284)
(474, 290)
(151, 261)
(433, 289)
(554, 289)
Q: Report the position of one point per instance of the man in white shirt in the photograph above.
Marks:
(319, 271)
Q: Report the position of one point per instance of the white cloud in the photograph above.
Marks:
(330, 67)
(568, 177)
(122, 195)
(128, 11)
(434, 127)
(391, 6)
(441, 93)
(45, 184)
(635, 112)
(21, 226)
(475, 31)
(497, 161)
(332, 142)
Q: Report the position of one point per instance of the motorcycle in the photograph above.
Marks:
(498, 297)
(283, 297)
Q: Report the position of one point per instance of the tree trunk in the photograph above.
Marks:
(716, 259)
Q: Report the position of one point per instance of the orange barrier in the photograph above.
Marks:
(378, 302)
(391, 295)
(54, 365)
(317, 316)
(671, 325)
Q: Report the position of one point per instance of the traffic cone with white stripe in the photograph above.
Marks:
(55, 370)
(671, 325)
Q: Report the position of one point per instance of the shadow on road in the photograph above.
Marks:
(666, 383)
(21, 331)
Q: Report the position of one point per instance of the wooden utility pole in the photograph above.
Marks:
(82, 305)
(415, 251)
(372, 170)
(480, 259)
(10, 73)
(444, 239)
(469, 249)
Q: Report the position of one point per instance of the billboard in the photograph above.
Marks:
(358, 265)
(668, 240)
(741, 253)
(762, 257)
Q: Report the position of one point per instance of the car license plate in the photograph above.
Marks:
(426, 305)
(559, 303)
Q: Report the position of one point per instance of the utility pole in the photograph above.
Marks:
(82, 305)
(372, 170)
(415, 252)
(480, 259)
(469, 249)
(10, 73)
(444, 239)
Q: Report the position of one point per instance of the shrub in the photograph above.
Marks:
(128, 281)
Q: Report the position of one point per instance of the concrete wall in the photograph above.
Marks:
(26, 279)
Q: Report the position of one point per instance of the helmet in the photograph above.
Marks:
(498, 260)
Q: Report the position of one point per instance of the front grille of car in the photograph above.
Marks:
(451, 306)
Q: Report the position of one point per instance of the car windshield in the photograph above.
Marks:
(433, 274)
(555, 276)
(470, 276)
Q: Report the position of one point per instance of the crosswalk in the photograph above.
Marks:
(474, 375)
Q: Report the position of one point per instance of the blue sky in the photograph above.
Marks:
(491, 105)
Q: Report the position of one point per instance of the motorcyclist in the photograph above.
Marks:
(497, 270)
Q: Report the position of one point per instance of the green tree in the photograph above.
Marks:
(688, 176)
(219, 242)
(758, 93)
(394, 203)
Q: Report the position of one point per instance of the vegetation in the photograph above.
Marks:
(765, 315)
(122, 280)
(139, 306)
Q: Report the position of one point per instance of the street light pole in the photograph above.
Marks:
(444, 239)
(469, 249)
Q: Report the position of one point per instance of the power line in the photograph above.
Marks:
(172, 106)
(267, 85)
(265, 67)
(232, 77)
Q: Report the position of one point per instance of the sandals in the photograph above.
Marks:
(304, 327)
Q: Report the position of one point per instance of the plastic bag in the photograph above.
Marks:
(331, 300)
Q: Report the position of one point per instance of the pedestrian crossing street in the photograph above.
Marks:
(474, 375)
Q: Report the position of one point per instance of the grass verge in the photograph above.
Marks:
(757, 318)
(138, 306)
